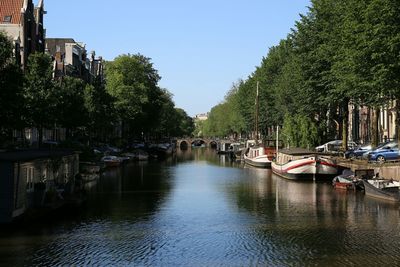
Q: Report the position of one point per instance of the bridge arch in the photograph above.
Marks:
(187, 142)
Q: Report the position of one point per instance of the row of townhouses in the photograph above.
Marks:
(23, 22)
(36, 181)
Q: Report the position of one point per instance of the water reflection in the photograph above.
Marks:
(201, 209)
(311, 223)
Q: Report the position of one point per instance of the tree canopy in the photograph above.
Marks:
(340, 53)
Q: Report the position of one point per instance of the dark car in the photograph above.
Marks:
(357, 152)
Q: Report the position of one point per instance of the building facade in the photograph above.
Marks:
(23, 23)
(70, 59)
(361, 118)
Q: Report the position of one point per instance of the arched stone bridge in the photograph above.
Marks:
(208, 142)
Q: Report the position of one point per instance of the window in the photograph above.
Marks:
(7, 18)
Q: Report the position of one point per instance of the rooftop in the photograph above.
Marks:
(10, 11)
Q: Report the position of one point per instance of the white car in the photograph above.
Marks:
(334, 146)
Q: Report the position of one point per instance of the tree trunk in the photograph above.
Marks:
(375, 128)
(340, 122)
(40, 139)
(397, 136)
(345, 125)
(67, 133)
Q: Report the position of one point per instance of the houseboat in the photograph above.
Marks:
(260, 154)
(256, 155)
(33, 181)
(384, 189)
(302, 164)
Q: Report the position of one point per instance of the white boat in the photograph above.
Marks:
(302, 164)
(256, 155)
(385, 189)
(141, 155)
(111, 161)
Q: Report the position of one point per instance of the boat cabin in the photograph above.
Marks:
(287, 155)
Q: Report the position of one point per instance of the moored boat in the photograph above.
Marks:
(256, 155)
(302, 164)
(385, 189)
(237, 149)
(111, 161)
(345, 181)
(141, 155)
(224, 147)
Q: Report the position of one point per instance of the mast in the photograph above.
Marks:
(277, 140)
(256, 115)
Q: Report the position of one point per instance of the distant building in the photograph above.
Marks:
(360, 123)
(201, 117)
(70, 59)
(96, 68)
(23, 23)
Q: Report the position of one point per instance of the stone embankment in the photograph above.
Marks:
(386, 170)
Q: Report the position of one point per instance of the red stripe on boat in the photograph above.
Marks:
(299, 165)
(328, 164)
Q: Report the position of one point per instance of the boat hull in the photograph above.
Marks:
(112, 163)
(372, 191)
(257, 157)
(344, 186)
(306, 169)
(257, 163)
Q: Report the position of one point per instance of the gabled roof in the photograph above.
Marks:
(11, 8)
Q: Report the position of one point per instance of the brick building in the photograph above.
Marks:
(23, 23)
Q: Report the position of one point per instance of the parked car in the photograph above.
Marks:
(357, 152)
(334, 146)
(388, 152)
(380, 146)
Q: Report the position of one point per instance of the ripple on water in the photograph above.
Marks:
(213, 216)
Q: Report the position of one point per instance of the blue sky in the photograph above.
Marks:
(199, 47)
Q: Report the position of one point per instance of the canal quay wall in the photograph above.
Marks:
(386, 170)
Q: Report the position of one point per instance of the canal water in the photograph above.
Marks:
(200, 209)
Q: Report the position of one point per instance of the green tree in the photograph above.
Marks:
(377, 62)
(132, 81)
(11, 101)
(40, 93)
(100, 111)
(70, 105)
(186, 123)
